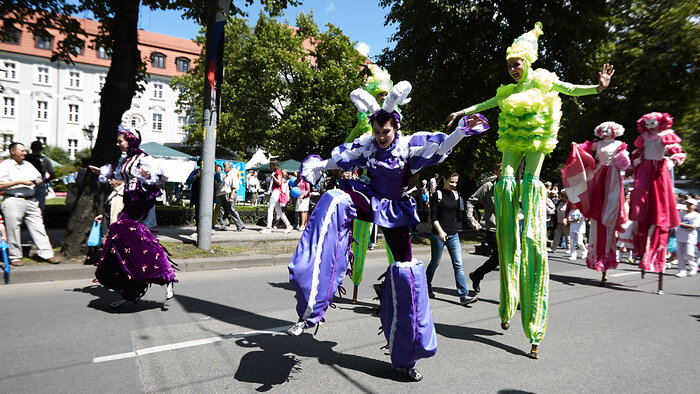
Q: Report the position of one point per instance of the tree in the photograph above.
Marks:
(454, 53)
(119, 31)
(285, 89)
(655, 47)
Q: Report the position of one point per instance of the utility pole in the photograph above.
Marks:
(212, 98)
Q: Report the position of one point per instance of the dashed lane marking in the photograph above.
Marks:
(186, 344)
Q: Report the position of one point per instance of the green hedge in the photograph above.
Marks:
(56, 216)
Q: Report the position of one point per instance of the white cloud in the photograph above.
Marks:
(363, 48)
(330, 7)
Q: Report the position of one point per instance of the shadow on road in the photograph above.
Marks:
(476, 335)
(281, 285)
(105, 297)
(577, 280)
(275, 363)
(359, 307)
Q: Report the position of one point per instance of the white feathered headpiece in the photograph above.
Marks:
(365, 102)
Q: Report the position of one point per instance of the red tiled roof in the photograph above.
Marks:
(149, 42)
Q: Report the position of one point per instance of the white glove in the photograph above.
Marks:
(364, 101)
(398, 95)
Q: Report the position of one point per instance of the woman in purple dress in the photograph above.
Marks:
(132, 258)
(321, 259)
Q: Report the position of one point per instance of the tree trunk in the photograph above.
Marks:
(120, 87)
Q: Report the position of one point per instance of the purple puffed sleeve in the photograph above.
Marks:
(426, 149)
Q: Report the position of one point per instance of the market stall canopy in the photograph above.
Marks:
(288, 165)
(161, 151)
(260, 157)
(176, 165)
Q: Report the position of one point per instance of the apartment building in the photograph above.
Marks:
(59, 104)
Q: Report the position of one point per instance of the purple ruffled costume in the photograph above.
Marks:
(322, 257)
(132, 258)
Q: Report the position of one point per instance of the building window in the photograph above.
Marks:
(73, 110)
(43, 42)
(74, 79)
(133, 123)
(8, 107)
(103, 78)
(157, 122)
(158, 90)
(104, 53)
(10, 35)
(42, 74)
(181, 122)
(42, 140)
(9, 70)
(6, 141)
(72, 148)
(158, 60)
(79, 48)
(183, 64)
(42, 111)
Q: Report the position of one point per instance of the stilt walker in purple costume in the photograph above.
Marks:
(321, 259)
(132, 258)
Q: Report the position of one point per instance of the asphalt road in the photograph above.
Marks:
(222, 333)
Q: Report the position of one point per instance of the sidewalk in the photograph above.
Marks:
(42, 272)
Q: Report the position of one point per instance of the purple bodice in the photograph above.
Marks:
(387, 175)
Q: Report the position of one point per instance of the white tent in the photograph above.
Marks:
(259, 157)
(176, 165)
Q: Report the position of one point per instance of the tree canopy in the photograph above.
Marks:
(453, 52)
(285, 89)
(119, 32)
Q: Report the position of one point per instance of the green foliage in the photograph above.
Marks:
(655, 46)
(57, 154)
(80, 155)
(277, 93)
(453, 52)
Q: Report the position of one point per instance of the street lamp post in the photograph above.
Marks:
(88, 132)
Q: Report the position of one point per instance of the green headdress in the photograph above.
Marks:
(379, 81)
(525, 46)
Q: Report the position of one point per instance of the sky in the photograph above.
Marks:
(361, 20)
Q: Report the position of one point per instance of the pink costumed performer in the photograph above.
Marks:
(652, 203)
(598, 192)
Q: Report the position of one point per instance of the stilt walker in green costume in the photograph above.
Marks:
(527, 127)
(379, 84)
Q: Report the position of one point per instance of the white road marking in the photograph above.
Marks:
(182, 345)
(625, 274)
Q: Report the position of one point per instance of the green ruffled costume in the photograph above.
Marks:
(528, 123)
(530, 111)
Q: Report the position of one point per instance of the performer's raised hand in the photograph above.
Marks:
(604, 77)
(451, 119)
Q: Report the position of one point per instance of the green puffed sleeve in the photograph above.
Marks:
(570, 89)
(488, 104)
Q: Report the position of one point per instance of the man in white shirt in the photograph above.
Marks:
(254, 187)
(687, 240)
(18, 180)
(228, 200)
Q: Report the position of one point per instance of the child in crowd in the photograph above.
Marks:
(562, 227)
(577, 228)
(625, 241)
(687, 239)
